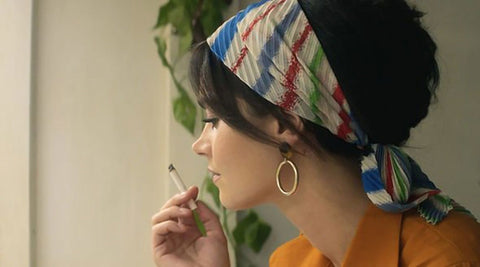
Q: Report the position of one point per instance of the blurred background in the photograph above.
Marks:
(87, 131)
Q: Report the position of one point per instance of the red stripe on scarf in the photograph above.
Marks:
(344, 128)
(388, 169)
(344, 116)
(247, 32)
(243, 53)
(290, 97)
(257, 19)
(338, 95)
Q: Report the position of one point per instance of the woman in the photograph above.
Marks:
(307, 103)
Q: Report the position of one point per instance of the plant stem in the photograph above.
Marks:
(202, 188)
(197, 28)
(227, 229)
(240, 255)
(174, 78)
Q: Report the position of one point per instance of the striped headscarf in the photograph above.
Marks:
(272, 48)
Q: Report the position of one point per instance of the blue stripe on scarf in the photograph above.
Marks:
(227, 33)
(371, 181)
(396, 207)
(270, 49)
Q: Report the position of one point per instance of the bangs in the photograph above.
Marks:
(219, 90)
(212, 82)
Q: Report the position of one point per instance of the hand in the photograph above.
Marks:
(177, 240)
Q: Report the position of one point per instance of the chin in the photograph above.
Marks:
(235, 204)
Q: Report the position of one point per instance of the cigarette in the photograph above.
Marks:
(191, 204)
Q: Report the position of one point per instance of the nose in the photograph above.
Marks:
(202, 145)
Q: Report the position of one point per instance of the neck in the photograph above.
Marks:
(328, 205)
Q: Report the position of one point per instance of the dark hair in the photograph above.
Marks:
(382, 57)
(384, 61)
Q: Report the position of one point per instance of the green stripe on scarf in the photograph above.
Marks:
(400, 183)
(315, 95)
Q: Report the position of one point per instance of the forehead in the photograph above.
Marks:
(208, 111)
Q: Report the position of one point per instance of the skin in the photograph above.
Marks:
(176, 241)
(246, 171)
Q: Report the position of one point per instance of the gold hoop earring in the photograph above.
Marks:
(286, 153)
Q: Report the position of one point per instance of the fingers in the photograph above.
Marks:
(169, 218)
(167, 227)
(161, 230)
(171, 213)
(182, 198)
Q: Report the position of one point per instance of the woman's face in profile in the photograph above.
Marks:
(243, 169)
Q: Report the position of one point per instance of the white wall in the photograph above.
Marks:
(15, 39)
(99, 132)
(446, 144)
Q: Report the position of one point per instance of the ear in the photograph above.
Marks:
(283, 133)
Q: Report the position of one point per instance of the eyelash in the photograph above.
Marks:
(214, 121)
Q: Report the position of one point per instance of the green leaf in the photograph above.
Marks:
(192, 6)
(240, 230)
(163, 17)
(213, 190)
(256, 234)
(185, 43)
(185, 111)
(162, 49)
(180, 17)
(211, 17)
(178, 14)
(214, 4)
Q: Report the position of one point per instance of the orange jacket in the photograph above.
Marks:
(395, 239)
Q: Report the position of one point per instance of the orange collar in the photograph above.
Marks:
(377, 240)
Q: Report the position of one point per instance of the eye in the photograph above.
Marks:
(213, 121)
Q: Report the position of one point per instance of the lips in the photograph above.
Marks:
(212, 172)
(215, 176)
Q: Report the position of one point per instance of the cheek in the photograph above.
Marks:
(235, 151)
(248, 170)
